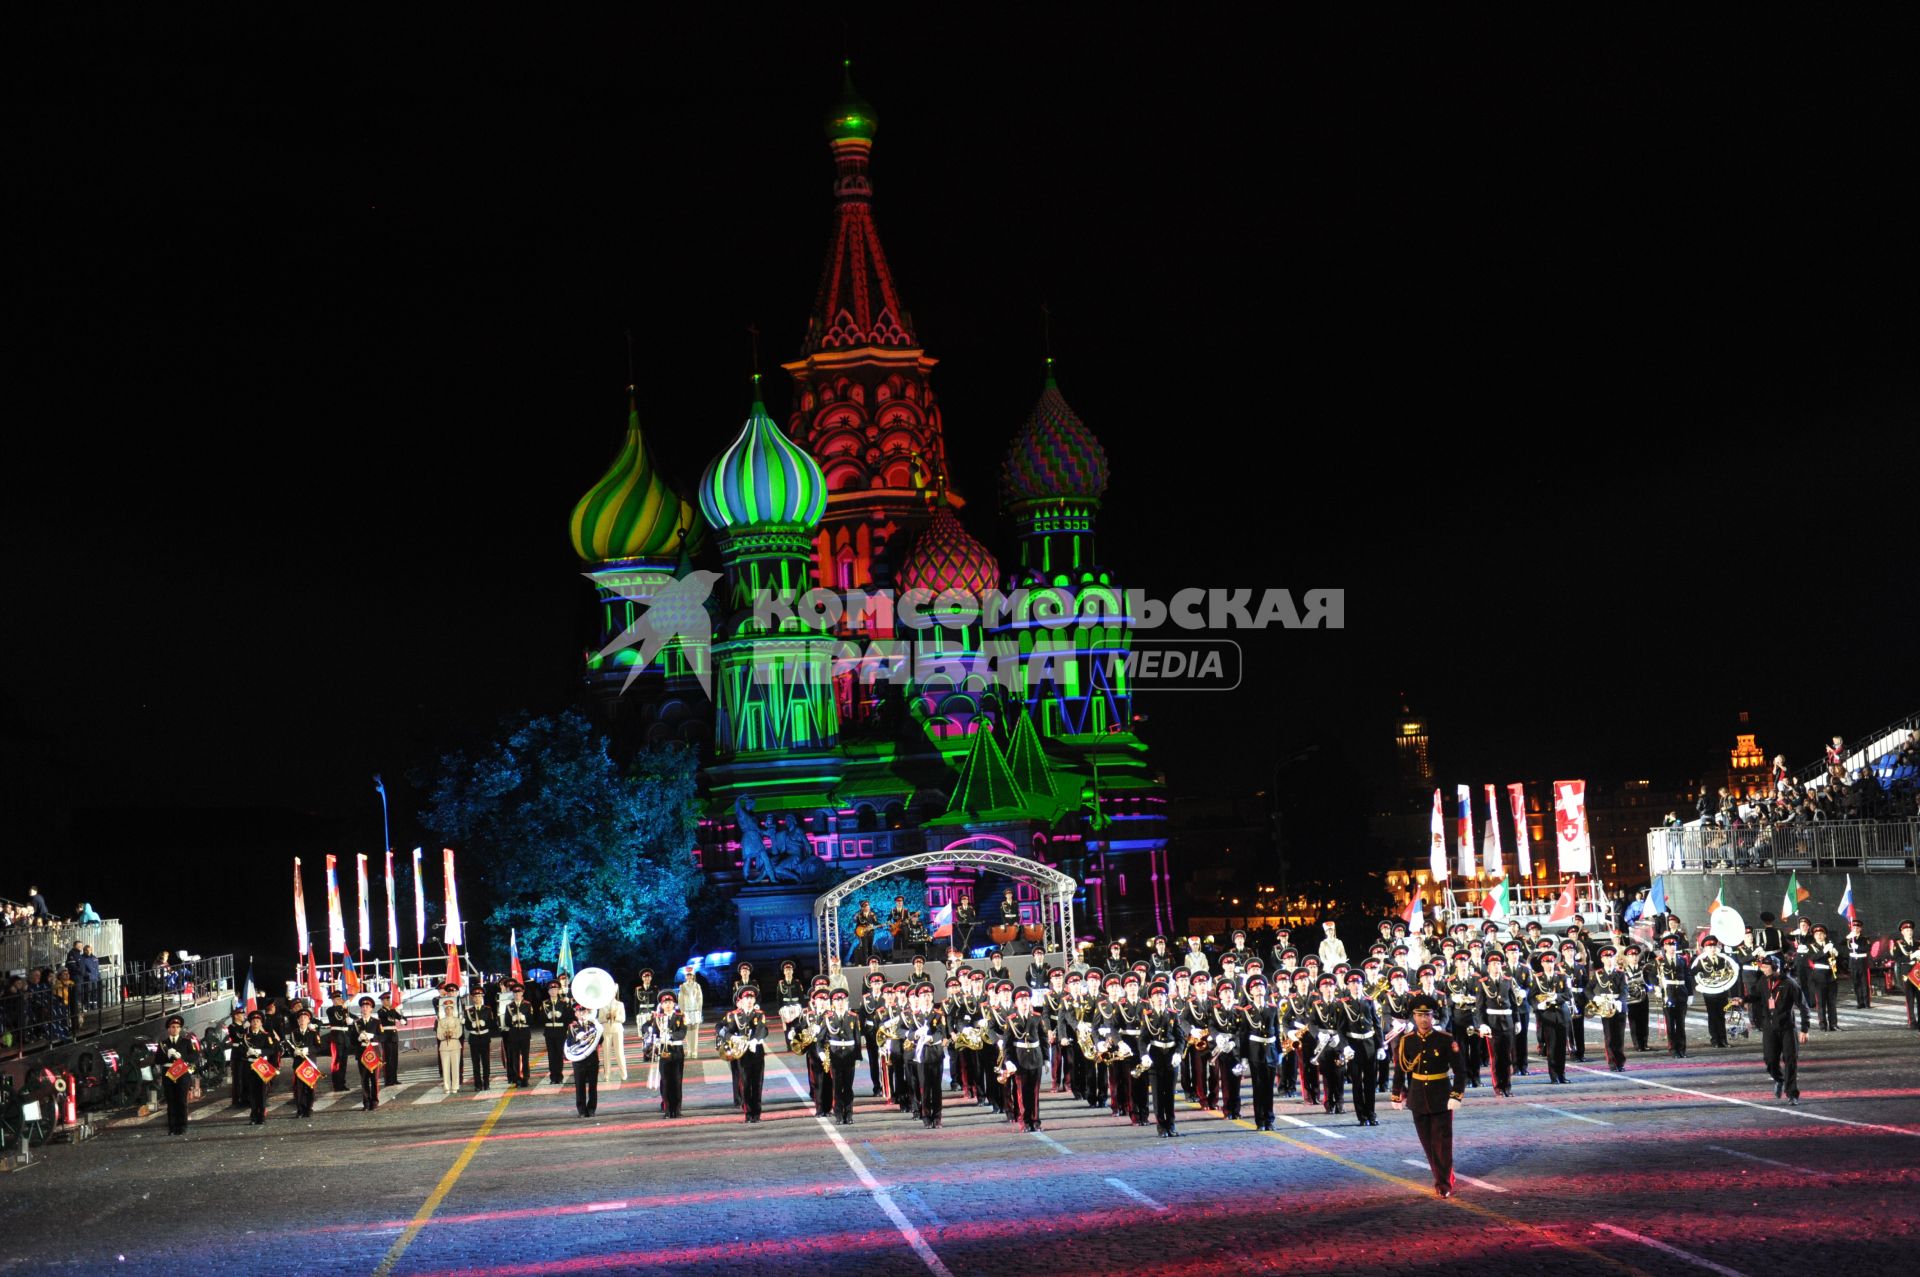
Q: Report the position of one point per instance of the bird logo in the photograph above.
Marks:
(678, 611)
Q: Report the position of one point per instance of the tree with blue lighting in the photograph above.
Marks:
(562, 836)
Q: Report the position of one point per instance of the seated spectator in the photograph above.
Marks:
(1910, 751)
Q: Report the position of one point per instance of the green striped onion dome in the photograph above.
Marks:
(946, 557)
(631, 513)
(763, 479)
(1054, 454)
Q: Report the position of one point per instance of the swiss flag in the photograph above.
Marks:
(1563, 910)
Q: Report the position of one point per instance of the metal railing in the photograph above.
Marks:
(23, 948)
(44, 1015)
(1869, 846)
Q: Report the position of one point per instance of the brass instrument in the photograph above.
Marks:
(1714, 976)
(1197, 1037)
(1546, 1000)
(1083, 1039)
(583, 1039)
(802, 1036)
(1602, 1006)
(735, 1046)
(1292, 1038)
(1146, 1063)
(969, 1038)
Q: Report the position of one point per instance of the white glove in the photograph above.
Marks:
(172, 1054)
(1346, 1056)
(1381, 1054)
(253, 1055)
(1452, 1104)
(301, 1052)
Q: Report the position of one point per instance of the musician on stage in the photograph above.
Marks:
(364, 1033)
(1429, 1079)
(843, 1032)
(334, 1028)
(582, 1049)
(1009, 909)
(1905, 952)
(1550, 1013)
(390, 1021)
(865, 923)
(177, 1045)
(479, 1025)
(1822, 965)
(556, 1016)
(929, 1043)
(1609, 979)
(1713, 967)
(449, 1030)
(1781, 1000)
(673, 1051)
(1674, 978)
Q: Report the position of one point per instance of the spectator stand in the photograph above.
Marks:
(1534, 902)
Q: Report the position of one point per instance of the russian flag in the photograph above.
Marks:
(1846, 902)
(943, 921)
(1414, 913)
(513, 957)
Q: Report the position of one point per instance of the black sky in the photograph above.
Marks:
(1583, 356)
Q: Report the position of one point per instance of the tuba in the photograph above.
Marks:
(583, 1039)
(593, 989)
(1716, 976)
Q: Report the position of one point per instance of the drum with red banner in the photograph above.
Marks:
(264, 1069)
(177, 1070)
(370, 1059)
(307, 1073)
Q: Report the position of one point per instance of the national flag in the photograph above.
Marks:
(299, 907)
(513, 957)
(1490, 838)
(1846, 902)
(453, 933)
(1570, 818)
(1563, 909)
(349, 979)
(1790, 903)
(1495, 904)
(315, 999)
(366, 927)
(1517, 799)
(419, 906)
(1719, 899)
(1414, 912)
(1656, 900)
(336, 925)
(248, 1001)
(1466, 832)
(943, 922)
(1437, 856)
(565, 965)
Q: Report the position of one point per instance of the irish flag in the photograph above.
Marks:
(1790, 905)
(1494, 904)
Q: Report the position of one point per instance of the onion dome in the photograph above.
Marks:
(1054, 455)
(946, 557)
(631, 513)
(763, 479)
(851, 116)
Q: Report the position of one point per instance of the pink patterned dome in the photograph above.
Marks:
(1054, 455)
(946, 557)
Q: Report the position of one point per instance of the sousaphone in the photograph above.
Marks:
(593, 988)
(1729, 928)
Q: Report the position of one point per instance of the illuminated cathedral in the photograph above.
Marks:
(809, 729)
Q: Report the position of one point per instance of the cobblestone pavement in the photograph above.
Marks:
(1677, 1166)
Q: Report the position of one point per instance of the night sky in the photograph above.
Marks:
(1583, 358)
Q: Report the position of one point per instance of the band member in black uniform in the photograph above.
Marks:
(176, 1045)
(390, 1021)
(586, 1069)
(365, 1033)
(1429, 1079)
(1328, 1045)
(1550, 1016)
(1520, 971)
(1634, 966)
(673, 1051)
(480, 1027)
(1905, 952)
(1025, 1045)
(646, 997)
(516, 1036)
(791, 995)
(233, 1040)
(965, 919)
(1052, 1008)
(747, 1021)
(1674, 978)
(335, 1027)
(1823, 963)
(556, 1015)
(843, 1051)
(1463, 991)
(929, 1053)
(1009, 909)
(1500, 1002)
(872, 1010)
(1228, 1019)
(1860, 965)
(1262, 1041)
(865, 923)
(1362, 1033)
(1712, 962)
(1781, 999)
(1164, 1039)
(255, 1044)
(1573, 965)
(303, 1045)
(1609, 979)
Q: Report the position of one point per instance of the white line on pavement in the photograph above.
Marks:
(859, 1168)
(1729, 1099)
(1563, 1113)
(1317, 1130)
(1766, 1161)
(1675, 1251)
(1135, 1194)
(433, 1096)
(1477, 1183)
(1056, 1145)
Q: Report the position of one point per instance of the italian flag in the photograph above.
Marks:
(1494, 903)
(1795, 894)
